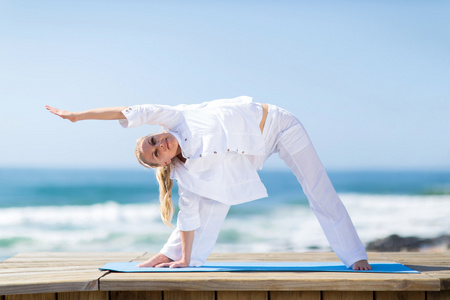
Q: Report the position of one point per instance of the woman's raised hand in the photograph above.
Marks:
(71, 116)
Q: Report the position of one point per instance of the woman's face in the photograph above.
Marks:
(160, 148)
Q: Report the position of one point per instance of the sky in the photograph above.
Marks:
(369, 80)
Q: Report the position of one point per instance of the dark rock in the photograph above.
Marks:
(396, 243)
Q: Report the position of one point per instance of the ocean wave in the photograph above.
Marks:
(284, 226)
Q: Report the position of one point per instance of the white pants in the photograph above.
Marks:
(283, 133)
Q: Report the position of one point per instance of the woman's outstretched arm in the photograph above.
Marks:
(106, 113)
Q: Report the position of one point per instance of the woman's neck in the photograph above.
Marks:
(181, 158)
(179, 155)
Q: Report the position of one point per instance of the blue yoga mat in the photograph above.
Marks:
(131, 267)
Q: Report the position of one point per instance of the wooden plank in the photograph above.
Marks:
(28, 273)
(242, 295)
(63, 256)
(42, 282)
(442, 295)
(84, 296)
(48, 296)
(71, 258)
(436, 265)
(268, 281)
(289, 295)
(348, 295)
(186, 295)
(119, 295)
(274, 281)
(400, 295)
(61, 261)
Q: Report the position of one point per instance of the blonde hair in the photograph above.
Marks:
(165, 183)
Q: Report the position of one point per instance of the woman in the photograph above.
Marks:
(214, 150)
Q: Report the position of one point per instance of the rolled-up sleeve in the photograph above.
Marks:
(151, 114)
(188, 216)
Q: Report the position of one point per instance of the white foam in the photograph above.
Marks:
(135, 227)
(100, 227)
(295, 228)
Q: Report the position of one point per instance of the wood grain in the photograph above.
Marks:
(400, 295)
(187, 295)
(70, 276)
(442, 295)
(290, 295)
(436, 265)
(35, 273)
(348, 295)
(48, 296)
(135, 295)
(269, 281)
(242, 295)
(97, 295)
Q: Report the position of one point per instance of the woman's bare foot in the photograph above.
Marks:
(362, 265)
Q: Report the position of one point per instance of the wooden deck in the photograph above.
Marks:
(70, 276)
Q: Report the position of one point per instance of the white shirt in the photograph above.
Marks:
(223, 146)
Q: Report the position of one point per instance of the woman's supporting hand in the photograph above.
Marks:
(174, 264)
(362, 265)
(71, 116)
(162, 261)
(155, 261)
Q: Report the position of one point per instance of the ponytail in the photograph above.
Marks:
(165, 184)
(165, 194)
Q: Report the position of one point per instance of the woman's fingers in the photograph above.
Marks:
(55, 111)
(178, 264)
(163, 265)
(147, 264)
(155, 261)
(173, 264)
(51, 109)
(62, 113)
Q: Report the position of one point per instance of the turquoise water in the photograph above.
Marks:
(117, 210)
(19, 187)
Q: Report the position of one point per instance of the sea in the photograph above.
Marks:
(117, 210)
